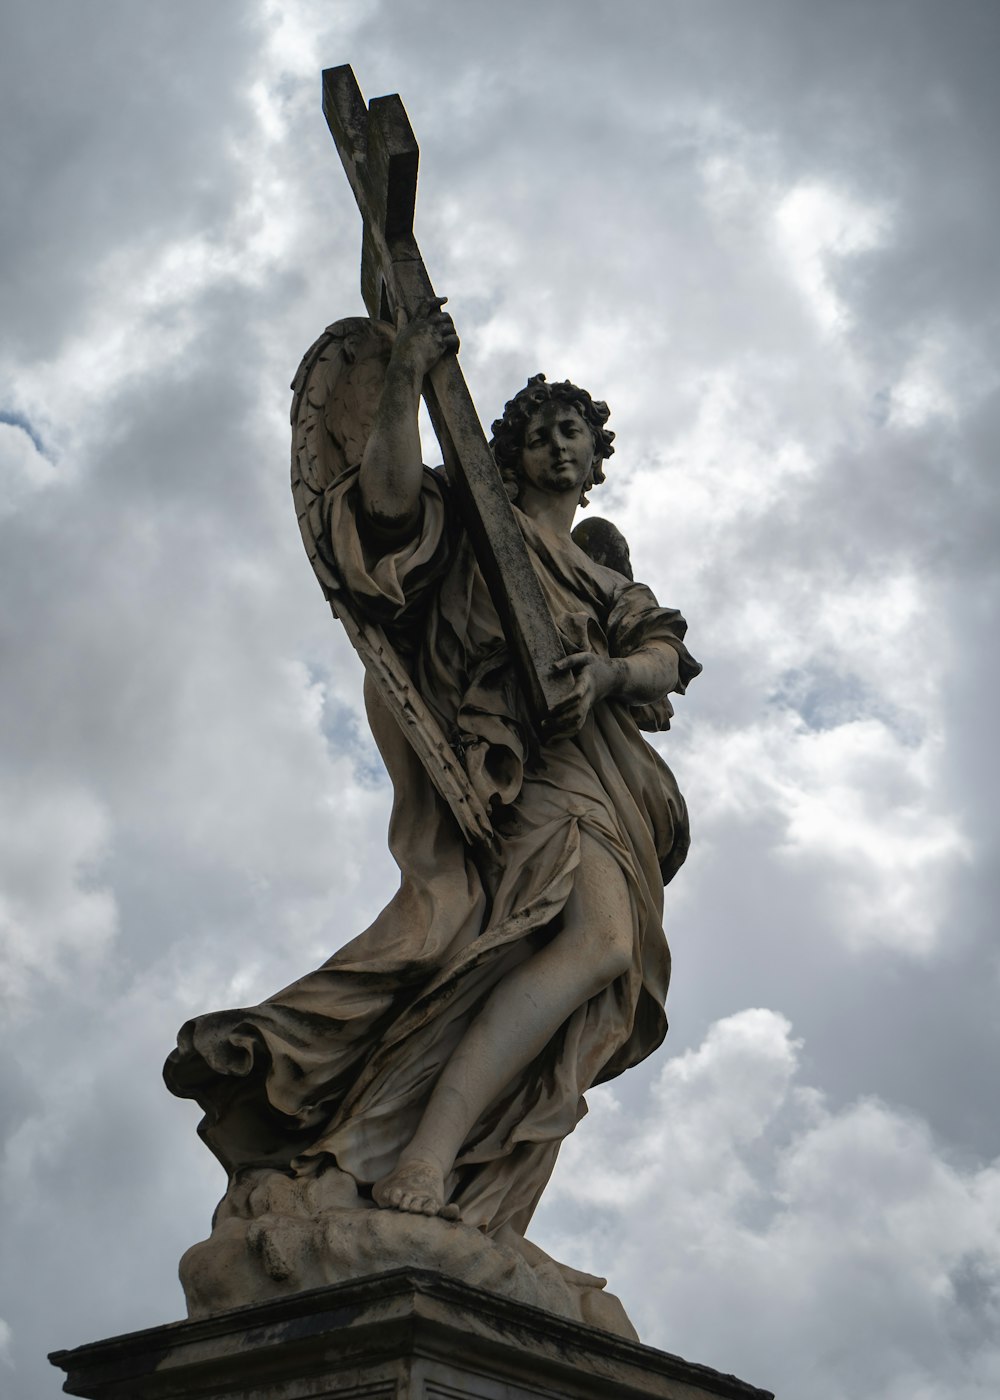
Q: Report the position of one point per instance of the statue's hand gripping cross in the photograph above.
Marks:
(380, 155)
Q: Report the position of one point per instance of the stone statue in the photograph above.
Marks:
(405, 1103)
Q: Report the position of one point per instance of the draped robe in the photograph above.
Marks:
(337, 1068)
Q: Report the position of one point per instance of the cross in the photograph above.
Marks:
(380, 155)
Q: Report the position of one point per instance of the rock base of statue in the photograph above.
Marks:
(275, 1235)
(404, 1335)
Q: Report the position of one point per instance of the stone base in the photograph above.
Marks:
(405, 1335)
(276, 1235)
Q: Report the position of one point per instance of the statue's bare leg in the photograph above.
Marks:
(524, 1012)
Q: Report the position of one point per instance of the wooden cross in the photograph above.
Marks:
(380, 155)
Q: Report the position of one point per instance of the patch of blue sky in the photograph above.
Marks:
(826, 699)
(13, 419)
(344, 732)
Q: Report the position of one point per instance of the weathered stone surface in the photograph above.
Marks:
(408, 1335)
(440, 1057)
(275, 1235)
(432, 1067)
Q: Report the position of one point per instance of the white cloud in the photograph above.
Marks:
(56, 911)
(736, 463)
(920, 395)
(24, 470)
(846, 1229)
(817, 223)
(945, 376)
(853, 804)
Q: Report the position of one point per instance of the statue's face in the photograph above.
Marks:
(558, 450)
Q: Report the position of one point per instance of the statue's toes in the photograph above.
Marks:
(450, 1213)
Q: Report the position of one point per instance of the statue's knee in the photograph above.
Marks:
(612, 960)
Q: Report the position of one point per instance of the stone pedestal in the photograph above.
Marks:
(405, 1335)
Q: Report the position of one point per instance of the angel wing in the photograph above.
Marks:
(605, 544)
(335, 395)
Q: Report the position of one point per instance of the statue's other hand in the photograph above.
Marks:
(594, 678)
(426, 338)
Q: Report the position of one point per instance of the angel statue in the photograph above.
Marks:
(419, 1084)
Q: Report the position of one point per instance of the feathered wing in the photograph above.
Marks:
(335, 396)
(605, 544)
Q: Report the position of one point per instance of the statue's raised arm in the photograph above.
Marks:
(391, 467)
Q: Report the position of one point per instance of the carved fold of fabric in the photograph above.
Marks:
(507, 1157)
(387, 583)
(340, 1064)
(637, 619)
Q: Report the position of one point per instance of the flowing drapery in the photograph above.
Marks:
(338, 1067)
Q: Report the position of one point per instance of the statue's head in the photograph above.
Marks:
(509, 431)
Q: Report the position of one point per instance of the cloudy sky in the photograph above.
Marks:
(765, 233)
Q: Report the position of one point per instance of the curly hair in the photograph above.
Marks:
(508, 432)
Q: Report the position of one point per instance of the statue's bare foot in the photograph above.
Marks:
(416, 1185)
